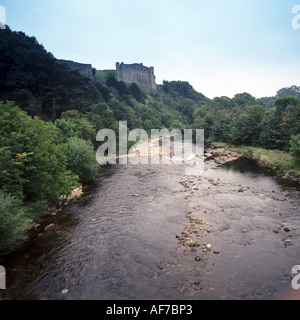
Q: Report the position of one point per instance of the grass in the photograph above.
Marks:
(105, 73)
(276, 159)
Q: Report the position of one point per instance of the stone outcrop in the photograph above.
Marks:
(137, 73)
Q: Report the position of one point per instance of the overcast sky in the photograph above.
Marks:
(222, 47)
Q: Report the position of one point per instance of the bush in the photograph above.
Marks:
(13, 222)
(295, 150)
(82, 159)
(32, 161)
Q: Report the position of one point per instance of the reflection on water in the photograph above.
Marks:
(121, 239)
(245, 165)
(250, 166)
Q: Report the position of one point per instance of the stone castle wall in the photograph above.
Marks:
(137, 73)
(128, 73)
(85, 70)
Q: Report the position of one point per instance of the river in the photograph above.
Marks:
(151, 232)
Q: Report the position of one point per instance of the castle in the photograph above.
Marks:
(136, 73)
(85, 70)
(128, 73)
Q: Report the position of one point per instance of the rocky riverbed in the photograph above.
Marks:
(151, 232)
(221, 155)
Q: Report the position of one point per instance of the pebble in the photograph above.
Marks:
(64, 291)
(49, 227)
(208, 246)
(197, 259)
(192, 243)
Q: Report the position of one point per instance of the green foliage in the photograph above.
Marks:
(137, 93)
(293, 91)
(82, 159)
(12, 178)
(253, 125)
(123, 112)
(73, 123)
(244, 99)
(36, 165)
(182, 89)
(204, 119)
(13, 222)
(281, 123)
(101, 117)
(295, 150)
(41, 160)
(32, 77)
(120, 86)
(223, 103)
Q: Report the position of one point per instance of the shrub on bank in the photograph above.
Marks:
(295, 150)
(13, 222)
(82, 159)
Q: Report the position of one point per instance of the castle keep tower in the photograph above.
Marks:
(136, 73)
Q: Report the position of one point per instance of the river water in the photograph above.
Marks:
(151, 232)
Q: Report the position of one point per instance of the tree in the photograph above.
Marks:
(223, 103)
(72, 123)
(287, 116)
(137, 93)
(270, 137)
(295, 150)
(14, 223)
(204, 119)
(101, 117)
(293, 91)
(120, 86)
(32, 77)
(36, 164)
(184, 90)
(122, 112)
(244, 99)
(82, 159)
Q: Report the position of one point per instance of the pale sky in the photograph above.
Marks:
(221, 47)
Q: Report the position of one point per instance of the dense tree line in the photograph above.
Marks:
(247, 123)
(32, 77)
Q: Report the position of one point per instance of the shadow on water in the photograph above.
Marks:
(252, 167)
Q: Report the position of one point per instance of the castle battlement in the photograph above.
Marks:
(136, 73)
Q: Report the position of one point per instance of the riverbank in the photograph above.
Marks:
(225, 234)
(55, 210)
(279, 161)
